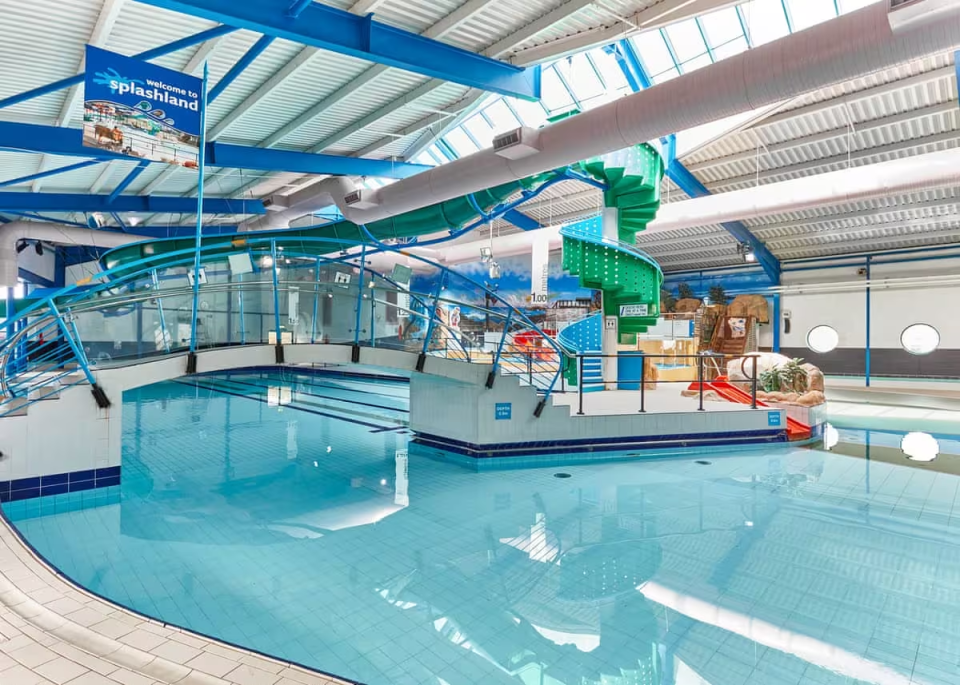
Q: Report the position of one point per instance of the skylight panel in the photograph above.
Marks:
(580, 76)
(686, 40)
(554, 95)
(853, 5)
(460, 142)
(609, 70)
(807, 13)
(531, 113)
(654, 54)
(734, 47)
(721, 27)
(765, 20)
(501, 117)
(480, 130)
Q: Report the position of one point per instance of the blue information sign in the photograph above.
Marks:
(141, 110)
(503, 411)
(773, 418)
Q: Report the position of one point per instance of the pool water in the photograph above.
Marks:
(291, 515)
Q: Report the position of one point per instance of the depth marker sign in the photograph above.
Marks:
(141, 110)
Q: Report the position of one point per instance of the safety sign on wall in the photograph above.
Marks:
(633, 310)
(773, 418)
(141, 110)
(503, 411)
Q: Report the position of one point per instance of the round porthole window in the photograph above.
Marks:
(920, 338)
(823, 339)
(920, 446)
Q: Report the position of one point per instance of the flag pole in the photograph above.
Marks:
(201, 164)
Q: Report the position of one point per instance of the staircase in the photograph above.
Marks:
(724, 342)
(629, 279)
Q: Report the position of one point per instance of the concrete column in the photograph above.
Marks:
(610, 336)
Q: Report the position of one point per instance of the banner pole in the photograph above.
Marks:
(201, 164)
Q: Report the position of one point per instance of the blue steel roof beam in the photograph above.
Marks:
(48, 173)
(692, 186)
(689, 183)
(146, 56)
(125, 183)
(19, 202)
(249, 56)
(66, 141)
(339, 31)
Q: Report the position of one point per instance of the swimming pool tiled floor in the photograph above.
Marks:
(291, 515)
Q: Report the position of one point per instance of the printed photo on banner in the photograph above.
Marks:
(138, 109)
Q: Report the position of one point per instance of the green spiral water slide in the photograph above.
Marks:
(451, 215)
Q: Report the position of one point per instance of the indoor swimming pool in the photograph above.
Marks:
(290, 514)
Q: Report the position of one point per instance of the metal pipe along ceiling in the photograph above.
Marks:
(885, 179)
(849, 47)
(14, 232)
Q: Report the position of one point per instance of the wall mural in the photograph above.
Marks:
(566, 301)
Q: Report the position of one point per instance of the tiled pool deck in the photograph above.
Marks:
(53, 633)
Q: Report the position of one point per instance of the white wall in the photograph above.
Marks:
(892, 309)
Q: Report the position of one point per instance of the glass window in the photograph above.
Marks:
(480, 130)
(580, 76)
(654, 54)
(807, 13)
(765, 20)
(734, 47)
(920, 446)
(694, 64)
(721, 27)
(501, 117)
(460, 142)
(686, 40)
(852, 5)
(823, 339)
(920, 339)
(425, 158)
(531, 113)
(609, 70)
(555, 96)
(667, 75)
(435, 152)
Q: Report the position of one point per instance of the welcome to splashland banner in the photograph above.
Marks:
(141, 110)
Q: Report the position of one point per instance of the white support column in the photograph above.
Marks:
(610, 339)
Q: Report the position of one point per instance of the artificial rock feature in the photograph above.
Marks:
(754, 306)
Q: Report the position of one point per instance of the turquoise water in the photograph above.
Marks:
(290, 515)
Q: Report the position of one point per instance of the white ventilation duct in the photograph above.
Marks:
(896, 177)
(14, 232)
(842, 49)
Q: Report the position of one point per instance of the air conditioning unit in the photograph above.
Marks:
(518, 143)
(357, 199)
(276, 203)
(903, 14)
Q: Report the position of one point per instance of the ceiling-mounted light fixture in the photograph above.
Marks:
(21, 246)
(38, 246)
(746, 253)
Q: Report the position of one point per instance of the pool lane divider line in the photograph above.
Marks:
(324, 397)
(301, 378)
(263, 400)
(299, 402)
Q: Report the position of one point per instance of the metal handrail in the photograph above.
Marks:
(700, 380)
(120, 287)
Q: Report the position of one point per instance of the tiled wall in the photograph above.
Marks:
(58, 484)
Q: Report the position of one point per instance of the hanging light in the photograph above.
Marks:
(747, 253)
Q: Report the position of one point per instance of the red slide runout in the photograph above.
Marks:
(731, 393)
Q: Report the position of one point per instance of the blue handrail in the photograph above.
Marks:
(108, 287)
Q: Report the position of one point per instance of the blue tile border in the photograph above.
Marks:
(58, 484)
(520, 450)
